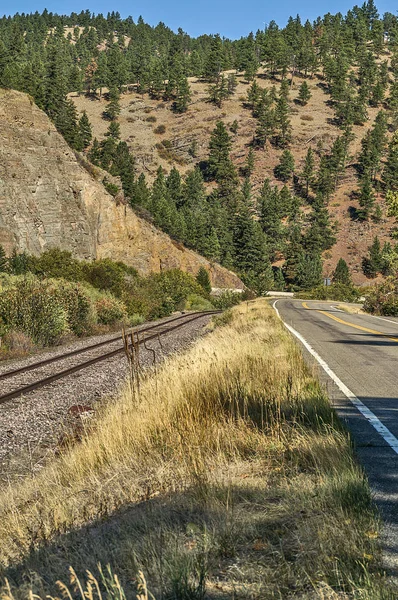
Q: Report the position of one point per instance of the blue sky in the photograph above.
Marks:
(231, 18)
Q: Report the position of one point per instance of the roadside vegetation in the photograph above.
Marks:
(225, 474)
(45, 300)
(383, 299)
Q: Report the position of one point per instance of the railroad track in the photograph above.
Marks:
(96, 352)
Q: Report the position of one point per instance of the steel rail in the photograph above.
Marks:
(61, 374)
(48, 361)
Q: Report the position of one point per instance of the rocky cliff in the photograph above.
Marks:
(48, 199)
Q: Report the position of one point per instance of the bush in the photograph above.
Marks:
(45, 310)
(160, 129)
(55, 263)
(195, 302)
(110, 310)
(224, 319)
(383, 298)
(337, 291)
(28, 306)
(203, 278)
(76, 301)
(104, 274)
(227, 299)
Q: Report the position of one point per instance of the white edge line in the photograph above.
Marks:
(383, 319)
(385, 433)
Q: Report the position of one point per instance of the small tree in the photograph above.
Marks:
(85, 130)
(234, 127)
(373, 263)
(203, 278)
(304, 93)
(249, 166)
(285, 169)
(112, 110)
(366, 198)
(308, 170)
(341, 273)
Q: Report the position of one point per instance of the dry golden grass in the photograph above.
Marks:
(352, 309)
(225, 476)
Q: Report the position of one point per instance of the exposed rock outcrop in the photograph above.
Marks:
(48, 199)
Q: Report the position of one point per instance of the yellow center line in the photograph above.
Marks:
(373, 331)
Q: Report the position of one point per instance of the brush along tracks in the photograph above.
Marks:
(18, 382)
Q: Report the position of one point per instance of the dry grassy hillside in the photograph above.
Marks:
(312, 126)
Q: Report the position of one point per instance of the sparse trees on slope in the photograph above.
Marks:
(304, 93)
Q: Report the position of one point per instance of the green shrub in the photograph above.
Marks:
(176, 285)
(227, 299)
(337, 291)
(160, 129)
(383, 298)
(224, 319)
(110, 310)
(110, 187)
(107, 275)
(195, 302)
(136, 319)
(203, 278)
(55, 263)
(28, 306)
(77, 303)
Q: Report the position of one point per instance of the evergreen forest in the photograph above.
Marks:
(277, 234)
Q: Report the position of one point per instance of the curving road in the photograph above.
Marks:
(357, 357)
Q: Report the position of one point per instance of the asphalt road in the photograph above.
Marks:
(360, 353)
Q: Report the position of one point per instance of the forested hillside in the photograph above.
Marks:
(260, 153)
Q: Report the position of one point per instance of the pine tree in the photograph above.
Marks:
(232, 84)
(218, 92)
(373, 264)
(282, 112)
(203, 278)
(390, 173)
(285, 168)
(112, 110)
(309, 271)
(85, 131)
(366, 198)
(308, 170)
(319, 235)
(266, 126)
(174, 187)
(215, 59)
(113, 130)
(211, 246)
(65, 120)
(141, 195)
(304, 93)
(219, 146)
(270, 217)
(124, 167)
(249, 165)
(341, 274)
(183, 95)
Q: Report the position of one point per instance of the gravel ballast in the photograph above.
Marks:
(32, 427)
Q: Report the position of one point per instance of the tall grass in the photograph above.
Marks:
(225, 475)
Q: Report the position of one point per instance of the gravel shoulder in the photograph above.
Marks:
(33, 427)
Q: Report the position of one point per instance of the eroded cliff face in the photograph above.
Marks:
(47, 199)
